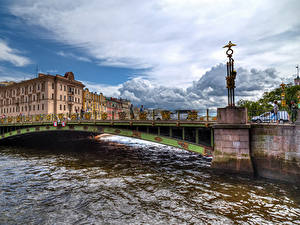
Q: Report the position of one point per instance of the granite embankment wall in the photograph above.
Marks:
(275, 151)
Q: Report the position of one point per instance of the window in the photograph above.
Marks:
(33, 107)
(43, 96)
(22, 90)
(29, 88)
(60, 107)
(60, 97)
(75, 91)
(38, 86)
(29, 108)
(10, 110)
(26, 108)
(52, 85)
(52, 96)
(61, 87)
(42, 106)
(22, 109)
(65, 107)
(64, 88)
(38, 107)
(78, 91)
(13, 109)
(33, 97)
(64, 98)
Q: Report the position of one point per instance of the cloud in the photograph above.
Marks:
(11, 55)
(7, 74)
(107, 90)
(175, 41)
(208, 92)
(71, 55)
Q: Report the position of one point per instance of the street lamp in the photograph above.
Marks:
(231, 74)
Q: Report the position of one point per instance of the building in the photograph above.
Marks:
(45, 94)
(93, 103)
(6, 83)
(115, 106)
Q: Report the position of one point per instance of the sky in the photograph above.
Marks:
(159, 53)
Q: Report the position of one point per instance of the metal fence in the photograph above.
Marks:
(154, 115)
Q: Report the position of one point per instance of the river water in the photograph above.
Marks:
(92, 182)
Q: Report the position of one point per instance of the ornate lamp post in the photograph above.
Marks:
(231, 74)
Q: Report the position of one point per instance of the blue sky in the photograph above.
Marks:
(160, 53)
(50, 56)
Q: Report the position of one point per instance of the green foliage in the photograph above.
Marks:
(266, 102)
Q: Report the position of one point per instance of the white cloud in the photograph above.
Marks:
(176, 40)
(107, 90)
(208, 92)
(11, 55)
(71, 55)
(7, 74)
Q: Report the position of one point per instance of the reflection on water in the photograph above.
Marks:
(141, 183)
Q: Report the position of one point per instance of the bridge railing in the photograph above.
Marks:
(154, 115)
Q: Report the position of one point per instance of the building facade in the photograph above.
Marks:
(116, 106)
(93, 103)
(46, 94)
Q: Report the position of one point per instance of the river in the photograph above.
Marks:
(133, 182)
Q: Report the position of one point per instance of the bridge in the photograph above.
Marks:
(189, 134)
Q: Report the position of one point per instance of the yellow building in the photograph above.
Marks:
(93, 103)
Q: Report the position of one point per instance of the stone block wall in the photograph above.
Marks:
(232, 115)
(232, 149)
(275, 151)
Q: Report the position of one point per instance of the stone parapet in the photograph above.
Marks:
(232, 115)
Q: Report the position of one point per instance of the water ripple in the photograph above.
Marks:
(134, 182)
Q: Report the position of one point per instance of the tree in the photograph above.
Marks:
(264, 104)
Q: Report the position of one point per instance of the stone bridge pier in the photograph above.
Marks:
(267, 150)
(232, 141)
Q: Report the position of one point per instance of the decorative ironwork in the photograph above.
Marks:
(122, 115)
(193, 115)
(87, 116)
(73, 116)
(143, 116)
(104, 116)
(166, 115)
(231, 74)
